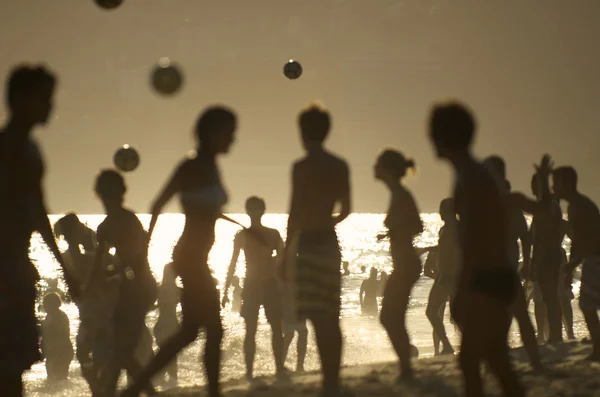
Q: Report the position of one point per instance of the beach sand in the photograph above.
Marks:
(567, 375)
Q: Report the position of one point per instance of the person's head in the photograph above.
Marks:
(68, 226)
(451, 129)
(255, 207)
(384, 275)
(345, 264)
(52, 283)
(235, 281)
(564, 182)
(51, 302)
(392, 165)
(373, 273)
(110, 187)
(29, 93)
(363, 269)
(215, 129)
(314, 122)
(497, 164)
(447, 209)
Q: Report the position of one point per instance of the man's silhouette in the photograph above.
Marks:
(22, 211)
(487, 280)
(261, 287)
(320, 181)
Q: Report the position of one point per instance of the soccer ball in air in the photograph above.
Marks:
(292, 69)
(166, 77)
(108, 4)
(126, 158)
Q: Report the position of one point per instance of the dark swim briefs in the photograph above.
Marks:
(261, 293)
(318, 276)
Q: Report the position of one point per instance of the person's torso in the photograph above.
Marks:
(321, 179)
(448, 257)
(403, 222)
(21, 172)
(584, 218)
(482, 208)
(202, 197)
(547, 236)
(259, 253)
(125, 233)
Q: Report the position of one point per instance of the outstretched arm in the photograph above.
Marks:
(345, 199)
(163, 198)
(237, 247)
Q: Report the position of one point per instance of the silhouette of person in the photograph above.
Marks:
(584, 221)
(30, 93)
(368, 294)
(403, 223)
(547, 232)
(56, 339)
(320, 180)
(236, 301)
(261, 286)
(167, 323)
(123, 230)
(487, 279)
(518, 230)
(345, 266)
(565, 286)
(448, 262)
(197, 181)
(383, 279)
(77, 235)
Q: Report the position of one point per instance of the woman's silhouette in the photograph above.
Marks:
(197, 181)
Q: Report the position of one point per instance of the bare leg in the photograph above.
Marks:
(519, 310)
(393, 317)
(277, 343)
(250, 345)
(540, 320)
(212, 356)
(437, 301)
(329, 343)
(567, 314)
(302, 345)
(287, 341)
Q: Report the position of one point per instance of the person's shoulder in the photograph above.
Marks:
(336, 160)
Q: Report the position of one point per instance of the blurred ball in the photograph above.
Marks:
(166, 78)
(292, 69)
(108, 4)
(126, 158)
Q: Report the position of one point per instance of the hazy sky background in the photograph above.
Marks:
(529, 68)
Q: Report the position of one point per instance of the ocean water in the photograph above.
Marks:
(364, 339)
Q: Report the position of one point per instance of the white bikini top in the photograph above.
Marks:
(211, 197)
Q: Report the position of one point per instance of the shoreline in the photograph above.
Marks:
(567, 375)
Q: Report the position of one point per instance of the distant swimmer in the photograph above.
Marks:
(403, 223)
(584, 222)
(368, 294)
(320, 185)
(383, 279)
(197, 182)
(346, 267)
(236, 300)
(487, 281)
(261, 284)
(56, 339)
(448, 262)
(29, 94)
